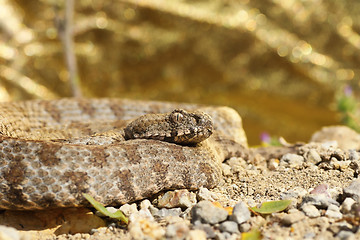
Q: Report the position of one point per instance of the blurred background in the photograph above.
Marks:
(283, 65)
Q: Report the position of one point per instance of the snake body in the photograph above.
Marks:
(51, 152)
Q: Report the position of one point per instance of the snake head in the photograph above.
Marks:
(179, 126)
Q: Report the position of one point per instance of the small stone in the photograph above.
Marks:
(312, 156)
(336, 227)
(9, 233)
(293, 193)
(291, 160)
(320, 201)
(205, 194)
(164, 212)
(333, 211)
(293, 217)
(129, 209)
(240, 213)
(206, 212)
(145, 204)
(353, 190)
(236, 164)
(345, 235)
(245, 227)
(142, 226)
(196, 235)
(207, 229)
(346, 137)
(177, 230)
(347, 204)
(310, 210)
(222, 235)
(273, 164)
(226, 169)
(178, 198)
(229, 226)
(321, 189)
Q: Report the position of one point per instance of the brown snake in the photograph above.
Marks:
(53, 151)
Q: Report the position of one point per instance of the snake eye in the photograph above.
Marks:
(176, 117)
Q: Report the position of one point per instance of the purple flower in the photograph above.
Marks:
(348, 90)
(265, 137)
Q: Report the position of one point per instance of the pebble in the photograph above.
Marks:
(196, 234)
(229, 226)
(273, 164)
(145, 204)
(312, 156)
(205, 194)
(333, 211)
(164, 212)
(245, 227)
(292, 217)
(353, 190)
(236, 164)
(206, 212)
(347, 204)
(177, 230)
(346, 137)
(226, 169)
(310, 210)
(178, 198)
(291, 160)
(240, 213)
(210, 233)
(129, 209)
(319, 200)
(344, 235)
(143, 226)
(321, 189)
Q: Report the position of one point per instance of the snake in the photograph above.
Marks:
(116, 150)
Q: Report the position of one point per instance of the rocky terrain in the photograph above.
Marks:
(320, 178)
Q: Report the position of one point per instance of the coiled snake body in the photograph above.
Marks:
(53, 151)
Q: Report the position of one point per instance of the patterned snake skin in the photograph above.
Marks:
(53, 151)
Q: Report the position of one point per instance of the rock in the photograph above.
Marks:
(207, 229)
(291, 160)
(333, 211)
(292, 217)
(226, 169)
(143, 226)
(353, 190)
(245, 227)
(196, 235)
(336, 227)
(345, 235)
(9, 233)
(206, 212)
(205, 194)
(229, 226)
(240, 213)
(319, 200)
(344, 136)
(347, 205)
(178, 198)
(145, 204)
(312, 156)
(236, 164)
(293, 193)
(321, 189)
(177, 230)
(164, 212)
(128, 209)
(310, 210)
(273, 164)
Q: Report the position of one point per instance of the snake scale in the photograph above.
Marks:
(51, 152)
